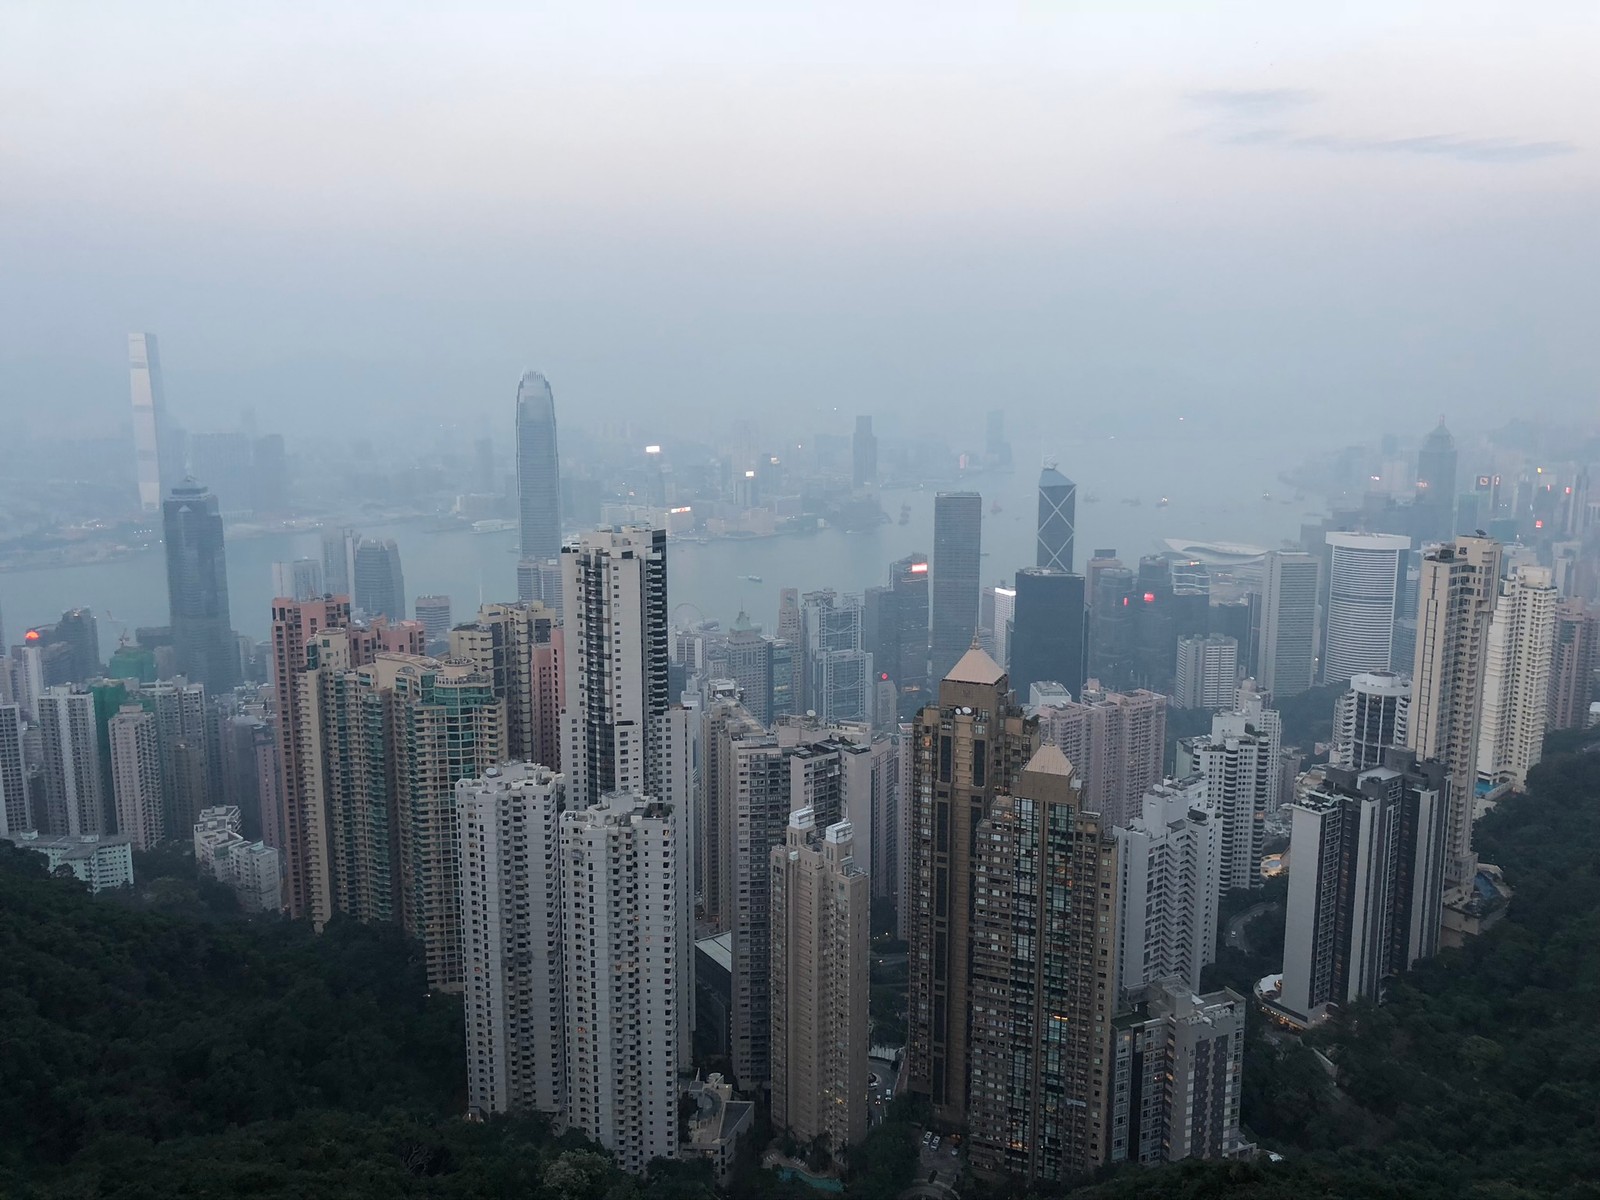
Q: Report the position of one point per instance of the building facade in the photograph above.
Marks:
(1286, 649)
(957, 559)
(820, 984)
(1516, 683)
(1362, 587)
(1370, 719)
(197, 588)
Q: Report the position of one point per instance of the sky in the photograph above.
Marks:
(1317, 220)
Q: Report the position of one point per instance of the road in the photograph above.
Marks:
(1236, 938)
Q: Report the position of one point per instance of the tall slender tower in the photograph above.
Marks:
(957, 557)
(966, 749)
(1435, 502)
(380, 585)
(149, 415)
(1516, 690)
(16, 811)
(1058, 504)
(136, 776)
(197, 588)
(615, 583)
(622, 946)
(508, 837)
(538, 476)
(73, 803)
(1287, 651)
(1455, 605)
(1041, 985)
(820, 984)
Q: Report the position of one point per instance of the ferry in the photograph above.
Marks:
(751, 578)
(493, 525)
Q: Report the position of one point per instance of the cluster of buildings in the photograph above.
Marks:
(573, 805)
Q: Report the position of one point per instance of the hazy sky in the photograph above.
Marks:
(1280, 212)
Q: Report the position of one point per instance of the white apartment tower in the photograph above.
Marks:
(614, 584)
(1370, 719)
(621, 932)
(136, 775)
(1169, 862)
(1238, 772)
(16, 813)
(1207, 673)
(1516, 686)
(1361, 602)
(508, 829)
(1459, 586)
(72, 805)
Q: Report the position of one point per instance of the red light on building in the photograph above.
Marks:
(1149, 597)
(885, 675)
(31, 636)
(919, 568)
(1124, 602)
(1539, 524)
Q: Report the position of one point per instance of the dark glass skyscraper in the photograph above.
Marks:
(895, 631)
(380, 585)
(1058, 502)
(957, 555)
(197, 587)
(538, 474)
(1048, 631)
(1436, 486)
(864, 455)
(1111, 628)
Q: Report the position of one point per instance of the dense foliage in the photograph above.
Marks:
(157, 1044)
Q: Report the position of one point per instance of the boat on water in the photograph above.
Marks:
(493, 525)
(1163, 502)
(751, 578)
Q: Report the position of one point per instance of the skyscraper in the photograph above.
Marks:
(1169, 870)
(820, 984)
(538, 473)
(1455, 606)
(1239, 770)
(1370, 720)
(1115, 741)
(622, 946)
(149, 417)
(72, 803)
(434, 613)
(297, 580)
(508, 829)
(1516, 685)
(750, 662)
(726, 722)
(1049, 631)
(1576, 646)
(338, 563)
(521, 648)
(957, 557)
(864, 455)
(838, 675)
(997, 612)
(380, 584)
(1207, 673)
(615, 586)
(136, 776)
(1366, 890)
(966, 750)
(1286, 654)
(1111, 627)
(1058, 503)
(1042, 994)
(1435, 502)
(1361, 604)
(197, 588)
(16, 808)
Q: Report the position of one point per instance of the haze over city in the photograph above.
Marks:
(1233, 210)
(738, 602)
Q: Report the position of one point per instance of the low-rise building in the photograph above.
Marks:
(101, 860)
(1178, 1066)
(251, 869)
(716, 1124)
